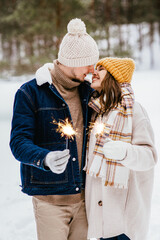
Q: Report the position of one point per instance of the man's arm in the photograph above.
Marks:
(23, 132)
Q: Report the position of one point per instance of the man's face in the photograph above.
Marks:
(80, 73)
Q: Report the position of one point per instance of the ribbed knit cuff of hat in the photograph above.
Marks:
(78, 62)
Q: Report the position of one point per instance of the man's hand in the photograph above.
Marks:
(57, 160)
(116, 150)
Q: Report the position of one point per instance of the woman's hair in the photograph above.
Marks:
(110, 94)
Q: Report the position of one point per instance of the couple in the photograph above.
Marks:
(116, 170)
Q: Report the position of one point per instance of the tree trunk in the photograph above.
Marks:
(58, 24)
(159, 30)
(151, 45)
(18, 54)
(29, 46)
(6, 49)
(108, 39)
(92, 8)
(130, 11)
(120, 38)
(108, 20)
(140, 41)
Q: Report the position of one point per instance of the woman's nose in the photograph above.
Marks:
(95, 72)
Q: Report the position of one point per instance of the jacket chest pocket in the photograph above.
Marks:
(47, 125)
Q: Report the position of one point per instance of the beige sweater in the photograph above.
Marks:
(125, 210)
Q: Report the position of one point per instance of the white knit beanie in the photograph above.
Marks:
(78, 48)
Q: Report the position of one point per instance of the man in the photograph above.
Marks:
(50, 173)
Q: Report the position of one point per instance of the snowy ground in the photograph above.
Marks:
(16, 214)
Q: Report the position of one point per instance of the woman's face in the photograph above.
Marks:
(97, 78)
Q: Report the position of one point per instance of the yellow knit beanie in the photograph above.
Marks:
(121, 68)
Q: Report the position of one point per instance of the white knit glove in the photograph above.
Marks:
(57, 160)
(116, 150)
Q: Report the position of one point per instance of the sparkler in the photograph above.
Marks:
(66, 130)
(98, 127)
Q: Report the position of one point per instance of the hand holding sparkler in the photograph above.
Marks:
(57, 160)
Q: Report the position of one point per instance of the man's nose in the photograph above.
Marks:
(91, 69)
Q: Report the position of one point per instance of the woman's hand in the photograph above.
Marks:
(116, 150)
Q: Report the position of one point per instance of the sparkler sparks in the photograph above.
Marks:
(66, 130)
(98, 127)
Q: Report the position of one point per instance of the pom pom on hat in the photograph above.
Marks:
(76, 26)
(121, 68)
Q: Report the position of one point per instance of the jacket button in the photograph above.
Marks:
(73, 159)
(77, 189)
(63, 104)
(100, 203)
(38, 162)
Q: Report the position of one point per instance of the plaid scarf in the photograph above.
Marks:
(116, 125)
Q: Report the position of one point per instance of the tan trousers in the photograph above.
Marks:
(58, 222)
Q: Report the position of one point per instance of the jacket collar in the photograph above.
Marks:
(43, 74)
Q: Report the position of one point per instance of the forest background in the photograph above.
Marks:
(31, 30)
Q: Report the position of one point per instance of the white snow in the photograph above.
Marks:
(16, 212)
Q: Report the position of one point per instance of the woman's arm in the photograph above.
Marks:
(141, 154)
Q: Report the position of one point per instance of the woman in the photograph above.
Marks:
(120, 158)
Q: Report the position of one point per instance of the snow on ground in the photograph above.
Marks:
(16, 212)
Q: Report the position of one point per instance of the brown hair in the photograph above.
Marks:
(110, 94)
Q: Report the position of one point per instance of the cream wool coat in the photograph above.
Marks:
(125, 210)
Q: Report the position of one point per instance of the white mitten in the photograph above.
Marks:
(116, 150)
(57, 160)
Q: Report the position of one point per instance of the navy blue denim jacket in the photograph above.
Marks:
(33, 135)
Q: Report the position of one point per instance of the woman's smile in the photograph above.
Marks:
(94, 79)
